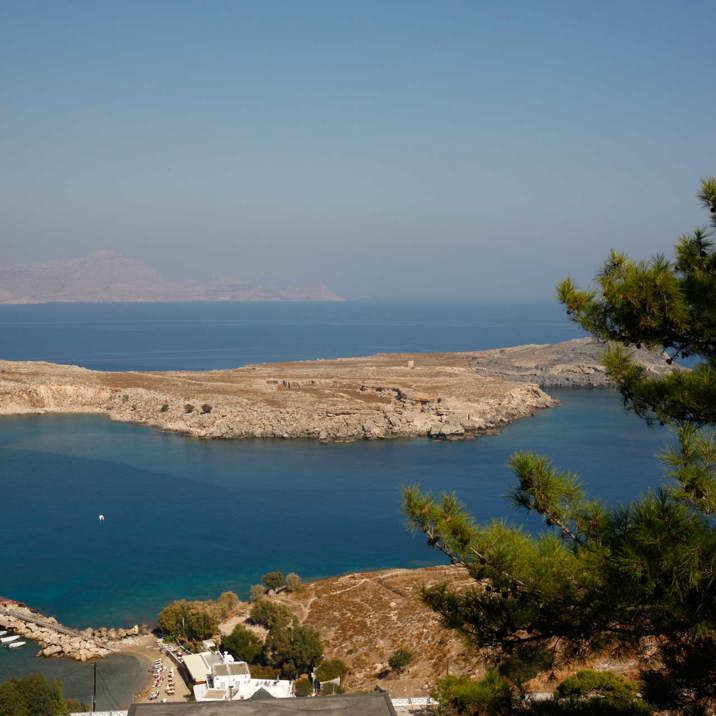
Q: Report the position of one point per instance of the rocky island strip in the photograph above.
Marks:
(438, 395)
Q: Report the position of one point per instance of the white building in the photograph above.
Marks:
(217, 677)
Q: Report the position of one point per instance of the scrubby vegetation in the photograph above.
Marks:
(294, 649)
(330, 669)
(269, 614)
(274, 580)
(192, 621)
(293, 582)
(243, 644)
(303, 686)
(32, 695)
(399, 660)
(462, 696)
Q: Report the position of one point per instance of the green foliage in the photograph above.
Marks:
(190, 621)
(293, 649)
(243, 644)
(274, 580)
(227, 604)
(293, 582)
(595, 693)
(399, 659)
(461, 696)
(330, 669)
(599, 575)
(664, 305)
(256, 592)
(331, 689)
(303, 686)
(261, 671)
(32, 695)
(268, 614)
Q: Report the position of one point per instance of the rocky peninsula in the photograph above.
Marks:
(439, 395)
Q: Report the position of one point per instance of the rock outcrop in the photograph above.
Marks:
(57, 640)
(441, 395)
(571, 364)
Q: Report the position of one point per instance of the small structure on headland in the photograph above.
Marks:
(217, 677)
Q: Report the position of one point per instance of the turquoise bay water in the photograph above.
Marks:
(187, 518)
(192, 518)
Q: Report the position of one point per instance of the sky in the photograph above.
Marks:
(387, 149)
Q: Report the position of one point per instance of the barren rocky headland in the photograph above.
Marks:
(438, 395)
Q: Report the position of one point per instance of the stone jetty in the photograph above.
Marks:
(55, 639)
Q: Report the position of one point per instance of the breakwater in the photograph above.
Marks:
(57, 640)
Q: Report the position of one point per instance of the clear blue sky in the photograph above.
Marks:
(405, 149)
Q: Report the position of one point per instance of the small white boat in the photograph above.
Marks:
(3, 632)
(16, 644)
(8, 639)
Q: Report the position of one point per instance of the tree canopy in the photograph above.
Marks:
(597, 575)
(32, 695)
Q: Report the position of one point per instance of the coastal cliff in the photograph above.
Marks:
(441, 395)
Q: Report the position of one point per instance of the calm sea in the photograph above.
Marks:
(187, 518)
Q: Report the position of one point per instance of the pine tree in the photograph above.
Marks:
(597, 576)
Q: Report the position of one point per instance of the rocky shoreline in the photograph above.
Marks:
(440, 395)
(57, 640)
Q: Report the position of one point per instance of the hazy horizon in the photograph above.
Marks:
(406, 150)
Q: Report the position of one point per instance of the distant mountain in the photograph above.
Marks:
(107, 277)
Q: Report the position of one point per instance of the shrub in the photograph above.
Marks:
(599, 692)
(270, 615)
(32, 695)
(243, 644)
(206, 408)
(460, 695)
(164, 408)
(188, 408)
(331, 689)
(330, 669)
(261, 671)
(293, 582)
(294, 649)
(257, 591)
(303, 686)
(189, 620)
(227, 603)
(399, 659)
(274, 580)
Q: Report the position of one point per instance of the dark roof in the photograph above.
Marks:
(374, 704)
(261, 695)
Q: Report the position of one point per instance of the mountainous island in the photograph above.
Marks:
(107, 277)
(439, 395)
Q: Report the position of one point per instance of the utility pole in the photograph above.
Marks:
(94, 686)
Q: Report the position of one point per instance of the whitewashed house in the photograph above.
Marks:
(217, 677)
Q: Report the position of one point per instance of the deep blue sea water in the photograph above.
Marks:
(188, 518)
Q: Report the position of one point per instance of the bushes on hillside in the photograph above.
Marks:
(293, 649)
(193, 621)
(399, 659)
(330, 669)
(293, 582)
(274, 580)
(256, 592)
(462, 696)
(268, 614)
(243, 644)
(32, 695)
(303, 687)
